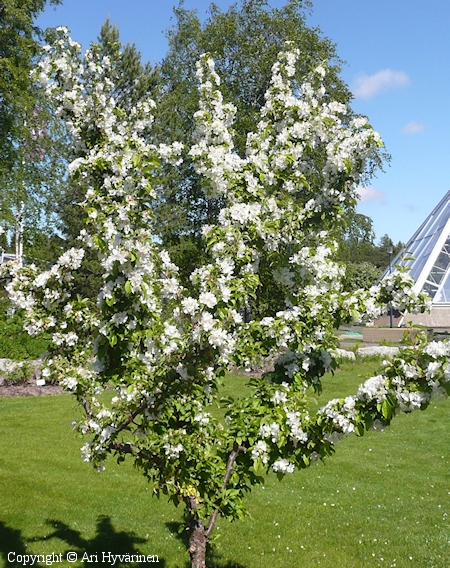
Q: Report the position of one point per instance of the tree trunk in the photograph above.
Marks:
(197, 543)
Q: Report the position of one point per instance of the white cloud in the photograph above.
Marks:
(413, 128)
(368, 194)
(367, 86)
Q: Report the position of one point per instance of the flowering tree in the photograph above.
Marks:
(163, 351)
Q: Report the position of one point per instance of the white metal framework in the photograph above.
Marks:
(427, 254)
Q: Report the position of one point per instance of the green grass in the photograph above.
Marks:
(381, 501)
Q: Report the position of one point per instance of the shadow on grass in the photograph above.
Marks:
(12, 546)
(108, 547)
(114, 544)
(213, 558)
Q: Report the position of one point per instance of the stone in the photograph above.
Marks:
(381, 350)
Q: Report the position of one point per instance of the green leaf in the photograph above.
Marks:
(386, 409)
(360, 429)
(257, 465)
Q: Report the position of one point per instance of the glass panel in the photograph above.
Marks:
(438, 281)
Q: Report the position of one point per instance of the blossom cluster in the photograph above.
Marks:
(408, 382)
(287, 439)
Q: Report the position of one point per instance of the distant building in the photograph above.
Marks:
(427, 254)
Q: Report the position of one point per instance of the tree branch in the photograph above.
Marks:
(230, 464)
(127, 448)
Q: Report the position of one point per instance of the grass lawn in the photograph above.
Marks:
(381, 501)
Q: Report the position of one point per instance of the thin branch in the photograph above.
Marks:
(127, 448)
(86, 405)
(132, 416)
(230, 465)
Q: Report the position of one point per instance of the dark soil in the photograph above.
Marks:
(28, 388)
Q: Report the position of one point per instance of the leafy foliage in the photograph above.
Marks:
(29, 164)
(365, 261)
(15, 343)
(244, 42)
(360, 275)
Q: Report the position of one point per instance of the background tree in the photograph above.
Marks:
(384, 249)
(244, 42)
(32, 169)
(365, 261)
(356, 238)
(131, 82)
(27, 165)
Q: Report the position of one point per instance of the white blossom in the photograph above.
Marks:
(283, 466)
(208, 299)
(173, 452)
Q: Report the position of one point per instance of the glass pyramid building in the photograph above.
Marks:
(429, 248)
(428, 259)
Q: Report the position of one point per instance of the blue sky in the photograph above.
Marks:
(398, 59)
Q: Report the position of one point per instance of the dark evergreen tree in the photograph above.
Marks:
(132, 82)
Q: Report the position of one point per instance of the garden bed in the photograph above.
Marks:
(27, 388)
